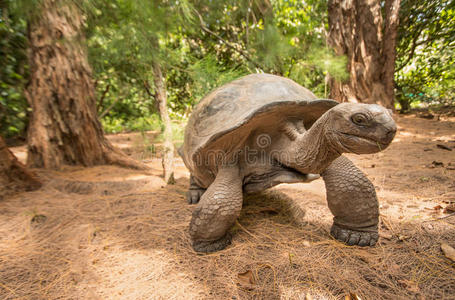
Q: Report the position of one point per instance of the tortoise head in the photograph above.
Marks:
(360, 128)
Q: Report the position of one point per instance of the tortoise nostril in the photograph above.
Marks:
(390, 134)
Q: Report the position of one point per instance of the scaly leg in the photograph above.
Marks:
(217, 211)
(195, 192)
(352, 200)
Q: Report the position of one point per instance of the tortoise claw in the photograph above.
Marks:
(193, 196)
(354, 238)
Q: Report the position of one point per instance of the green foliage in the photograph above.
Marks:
(13, 73)
(426, 53)
(315, 68)
(178, 130)
(271, 48)
(125, 37)
(283, 37)
(201, 45)
(327, 62)
(118, 124)
(207, 74)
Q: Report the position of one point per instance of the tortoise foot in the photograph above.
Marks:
(194, 195)
(354, 238)
(212, 246)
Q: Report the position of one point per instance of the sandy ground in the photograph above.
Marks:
(113, 233)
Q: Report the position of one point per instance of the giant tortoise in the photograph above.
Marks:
(262, 130)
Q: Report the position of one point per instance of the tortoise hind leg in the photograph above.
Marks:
(270, 180)
(195, 192)
(352, 200)
(217, 211)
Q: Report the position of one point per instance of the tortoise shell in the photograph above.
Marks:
(224, 118)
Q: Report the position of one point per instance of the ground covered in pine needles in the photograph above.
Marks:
(112, 233)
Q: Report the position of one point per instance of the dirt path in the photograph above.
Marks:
(112, 233)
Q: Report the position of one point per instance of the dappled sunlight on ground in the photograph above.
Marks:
(141, 274)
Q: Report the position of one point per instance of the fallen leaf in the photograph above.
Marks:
(403, 237)
(306, 243)
(450, 196)
(39, 219)
(449, 208)
(437, 207)
(426, 226)
(246, 280)
(426, 116)
(438, 163)
(448, 251)
(409, 285)
(394, 268)
(352, 296)
(386, 235)
(441, 146)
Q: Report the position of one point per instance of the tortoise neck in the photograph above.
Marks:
(314, 151)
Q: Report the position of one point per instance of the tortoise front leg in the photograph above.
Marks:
(352, 200)
(217, 211)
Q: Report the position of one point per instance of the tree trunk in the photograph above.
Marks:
(168, 146)
(389, 51)
(356, 30)
(13, 174)
(64, 128)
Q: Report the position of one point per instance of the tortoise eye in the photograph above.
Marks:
(359, 119)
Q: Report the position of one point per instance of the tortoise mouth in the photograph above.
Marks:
(370, 141)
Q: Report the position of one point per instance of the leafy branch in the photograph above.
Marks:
(231, 46)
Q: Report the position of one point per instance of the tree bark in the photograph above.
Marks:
(64, 128)
(358, 30)
(389, 51)
(13, 174)
(168, 146)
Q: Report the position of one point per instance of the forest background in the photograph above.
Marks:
(200, 45)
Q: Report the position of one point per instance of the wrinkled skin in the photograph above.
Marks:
(352, 200)
(295, 155)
